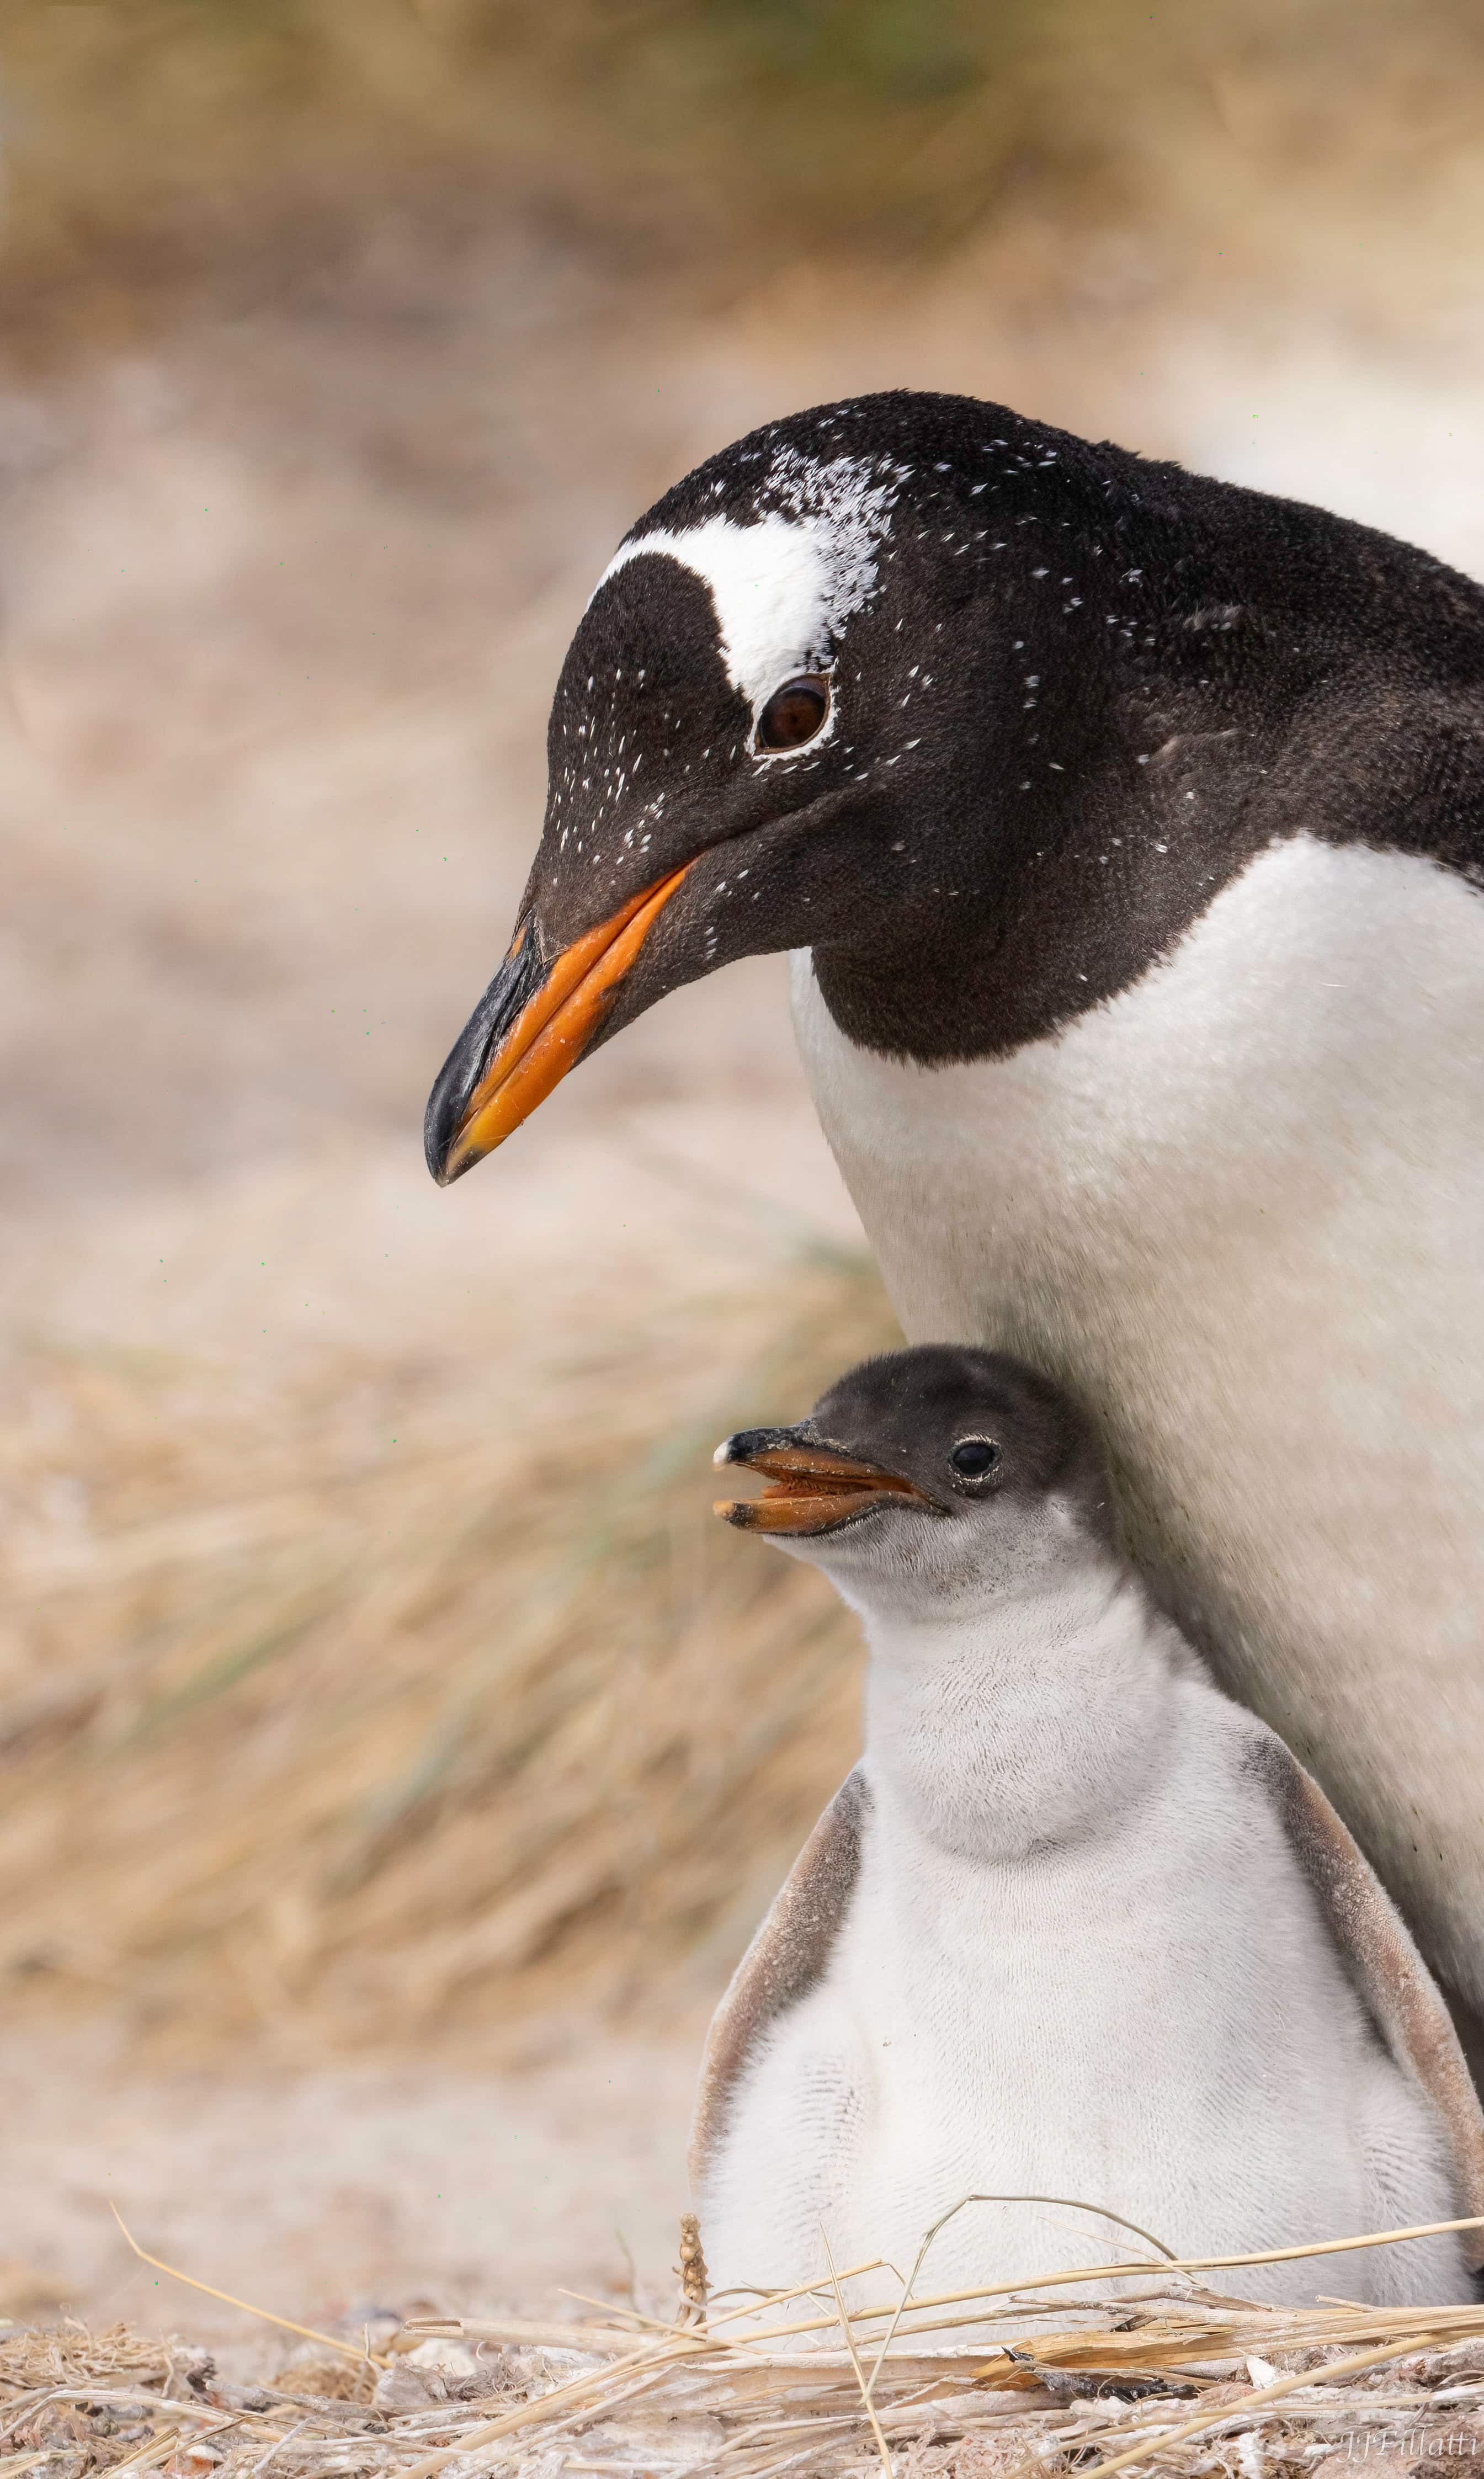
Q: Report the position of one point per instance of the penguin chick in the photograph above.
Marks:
(1076, 1926)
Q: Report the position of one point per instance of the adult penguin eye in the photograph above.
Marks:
(794, 713)
(973, 1457)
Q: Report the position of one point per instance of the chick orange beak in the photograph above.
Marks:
(549, 1034)
(814, 1487)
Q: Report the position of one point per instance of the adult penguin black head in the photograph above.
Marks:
(980, 714)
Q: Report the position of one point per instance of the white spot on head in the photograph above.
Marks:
(783, 586)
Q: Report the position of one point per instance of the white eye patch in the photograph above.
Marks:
(784, 587)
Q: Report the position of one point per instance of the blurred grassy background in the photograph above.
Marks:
(369, 1667)
(362, 1745)
(160, 144)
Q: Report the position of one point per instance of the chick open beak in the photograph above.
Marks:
(530, 1027)
(815, 1488)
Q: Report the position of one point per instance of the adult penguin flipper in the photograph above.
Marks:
(786, 1958)
(1399, 1991)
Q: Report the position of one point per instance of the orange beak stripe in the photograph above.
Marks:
(555, 1026)
(810, 1492)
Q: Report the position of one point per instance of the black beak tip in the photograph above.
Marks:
(435, 1152)
(458, 1077)
(444, 1115)
(744, 1444)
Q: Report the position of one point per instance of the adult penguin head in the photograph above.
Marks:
(963, 706)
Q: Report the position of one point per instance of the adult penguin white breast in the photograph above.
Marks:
(1128, 828)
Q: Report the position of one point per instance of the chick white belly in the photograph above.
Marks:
(1153, 2022)
(1240, 1208)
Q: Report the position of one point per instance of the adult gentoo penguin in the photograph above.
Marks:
(1128, 828)
(1076, 1925)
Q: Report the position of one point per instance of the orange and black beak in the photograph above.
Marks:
(815, 1488)
(533, 1023)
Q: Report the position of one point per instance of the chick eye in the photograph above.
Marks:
(973, 1457)
(794, 712)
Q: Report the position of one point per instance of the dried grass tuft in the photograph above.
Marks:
(366, 1704)
(1173, 2375)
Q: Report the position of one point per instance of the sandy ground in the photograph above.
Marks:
(285, 595)
(335, 2187)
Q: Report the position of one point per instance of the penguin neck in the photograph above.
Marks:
(1053, 876)
(1108, 764)
(1026, 1722)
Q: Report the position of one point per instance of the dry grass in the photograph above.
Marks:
(362, 1707)
(1159, 2367)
